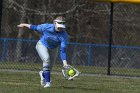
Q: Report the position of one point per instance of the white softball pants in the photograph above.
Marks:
(43, 53)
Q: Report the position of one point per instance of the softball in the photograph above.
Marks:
(71, 72)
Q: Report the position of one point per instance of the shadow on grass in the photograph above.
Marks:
(76, 87)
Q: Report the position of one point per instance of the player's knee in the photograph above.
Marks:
(46, 60)
(36, 46)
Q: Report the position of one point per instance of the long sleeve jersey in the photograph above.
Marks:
(52, 38)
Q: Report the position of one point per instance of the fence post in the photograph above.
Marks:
(1, 6)
(89, 55)
(4, 50)
(110, 38)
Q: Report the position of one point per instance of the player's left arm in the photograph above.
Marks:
(63, 55)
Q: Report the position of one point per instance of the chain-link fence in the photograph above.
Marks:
(89, 58)
(87, 26)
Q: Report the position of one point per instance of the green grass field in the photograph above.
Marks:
(83, 69)
(19, 80)
(29, 82)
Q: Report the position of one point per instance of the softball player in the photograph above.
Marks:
(53, 35)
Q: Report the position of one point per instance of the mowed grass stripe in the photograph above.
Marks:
(25, 82)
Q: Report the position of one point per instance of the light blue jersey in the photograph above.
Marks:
(51, 38)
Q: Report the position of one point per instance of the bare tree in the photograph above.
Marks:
(20, 33)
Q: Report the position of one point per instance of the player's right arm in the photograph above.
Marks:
(24, 25)
(39, 28)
